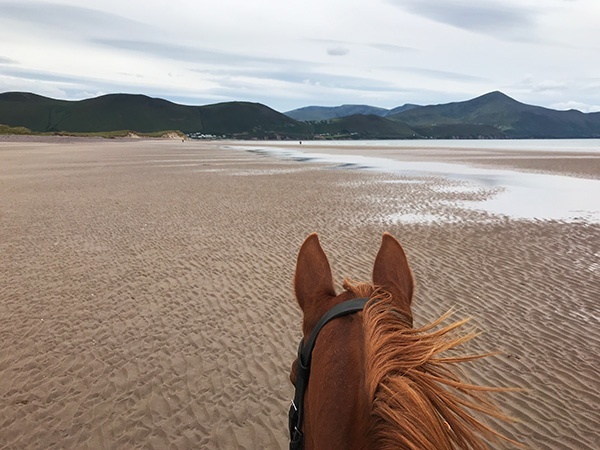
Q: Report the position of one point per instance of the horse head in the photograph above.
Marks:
(364, 377)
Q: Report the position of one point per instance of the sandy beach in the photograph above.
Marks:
(146, 289)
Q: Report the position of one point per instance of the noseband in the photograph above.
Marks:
(303, 367)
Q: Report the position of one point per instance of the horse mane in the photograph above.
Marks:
(417, 398)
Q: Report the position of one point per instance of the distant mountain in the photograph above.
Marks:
(360, 126)
(311, 113)
(493, 115)
(315, 113)
(399, 109)
(145, 114)
(510, 119)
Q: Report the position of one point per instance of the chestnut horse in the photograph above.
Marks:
(365, 378)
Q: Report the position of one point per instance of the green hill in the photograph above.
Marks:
(251, 119)
(21, 109)
(509, 117)
(399, 109)
(459, 131)
(492, 115)
(360, 126)
(315, 113)
(144, 114)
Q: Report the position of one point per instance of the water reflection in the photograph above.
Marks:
(522, 195)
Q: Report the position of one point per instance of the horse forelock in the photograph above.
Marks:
(358, 288)
(416, 397)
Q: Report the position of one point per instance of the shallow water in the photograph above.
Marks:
(547, 145)
(513, 194)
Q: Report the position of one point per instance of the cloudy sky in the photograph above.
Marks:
(293, 53)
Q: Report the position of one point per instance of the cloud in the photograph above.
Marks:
(39, 75)
(489, 17)
(440, 74)
(4, 60)
(179, 52)
(388, 52)
(61, 85)
(59, 18)
(343, 45)
(390, 47)
(337, 51)
(531, 84)
(298, 77)
(583, 107)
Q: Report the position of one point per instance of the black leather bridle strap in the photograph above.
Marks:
(303, 367)
(339, 310)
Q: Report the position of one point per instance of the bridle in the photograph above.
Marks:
(303, 367)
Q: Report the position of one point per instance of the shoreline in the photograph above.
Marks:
(584, 164)
(500, 182)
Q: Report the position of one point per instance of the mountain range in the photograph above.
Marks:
(140, 113)
(493, 115)
(317, 113)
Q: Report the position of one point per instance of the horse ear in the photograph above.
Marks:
(391, 270)
(313, 279)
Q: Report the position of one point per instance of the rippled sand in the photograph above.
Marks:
(146, 301)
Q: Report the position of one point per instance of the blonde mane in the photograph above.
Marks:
(417, 399)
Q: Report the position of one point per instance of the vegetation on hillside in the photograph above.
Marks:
(320, 113)
(361, 126)
(6, 129)
(490, 116)
(143, 114)
(22, 131)
(509, 117)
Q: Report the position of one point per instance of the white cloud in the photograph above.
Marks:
(386, 51)
(499, 18)
(583, 107)
(53, 90)
(529, 83)
(337, 51)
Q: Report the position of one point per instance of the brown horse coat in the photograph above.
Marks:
(375, 381)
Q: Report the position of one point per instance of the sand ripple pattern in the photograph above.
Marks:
(146, 296)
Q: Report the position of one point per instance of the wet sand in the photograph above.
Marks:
(573, 163)
(146, 299)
